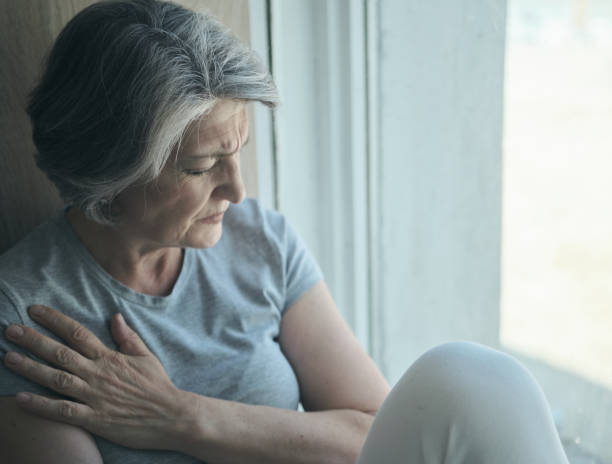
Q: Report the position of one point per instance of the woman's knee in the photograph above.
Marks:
(477, 390)
(445, 358)
(458, 379)
(464, 399)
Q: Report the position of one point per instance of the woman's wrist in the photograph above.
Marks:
(208, 426)
(189, 429)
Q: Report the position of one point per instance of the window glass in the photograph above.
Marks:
(557, 211)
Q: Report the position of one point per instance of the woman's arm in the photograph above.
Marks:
(29, 439)
(128, 398)
(236, 432)
(341, 390)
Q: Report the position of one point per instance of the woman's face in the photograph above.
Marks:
(185, 206)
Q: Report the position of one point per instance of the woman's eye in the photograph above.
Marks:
(202, 170)
(196, 173)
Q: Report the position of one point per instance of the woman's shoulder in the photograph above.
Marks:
(252, 232)
(251, 213)
(37, 243)
(253, 221)
(39, 250)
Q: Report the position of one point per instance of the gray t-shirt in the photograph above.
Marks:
(216, 333)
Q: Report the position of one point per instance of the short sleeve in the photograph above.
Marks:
(11, 383)
(302, 271)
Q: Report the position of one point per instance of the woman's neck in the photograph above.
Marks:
(143, 267)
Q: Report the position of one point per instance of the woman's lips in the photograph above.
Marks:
(214, 219)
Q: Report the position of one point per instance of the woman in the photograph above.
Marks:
(219, 319)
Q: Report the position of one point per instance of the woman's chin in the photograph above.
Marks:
(204, 236)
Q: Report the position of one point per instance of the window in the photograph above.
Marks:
(557, 219)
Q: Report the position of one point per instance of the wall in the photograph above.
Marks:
(439, 209)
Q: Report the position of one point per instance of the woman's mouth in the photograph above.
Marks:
(214, 219)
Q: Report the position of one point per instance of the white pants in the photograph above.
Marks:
(463, 403)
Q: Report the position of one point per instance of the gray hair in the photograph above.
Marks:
(123, 82)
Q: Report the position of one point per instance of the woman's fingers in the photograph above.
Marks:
(117, 393)
(47, 349)
(57, 410)
(60, 381)
(129, 341)
(76, 335)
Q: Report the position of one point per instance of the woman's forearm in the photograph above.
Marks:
(226, 431)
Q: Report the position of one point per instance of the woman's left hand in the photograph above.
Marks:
(124, 396)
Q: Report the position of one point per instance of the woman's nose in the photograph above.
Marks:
(232, 188)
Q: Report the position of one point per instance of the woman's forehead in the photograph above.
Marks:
(220, 130)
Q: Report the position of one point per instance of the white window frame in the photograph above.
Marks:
(332, 206)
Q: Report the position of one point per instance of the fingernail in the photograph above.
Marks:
(14, 331)
(13, 358)
(36, 310)
(23, 397)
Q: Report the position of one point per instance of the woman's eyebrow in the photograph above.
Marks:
(216, 154)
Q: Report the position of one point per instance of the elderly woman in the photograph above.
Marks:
(171, 321)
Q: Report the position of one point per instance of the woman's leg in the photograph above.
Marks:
(463, 403)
